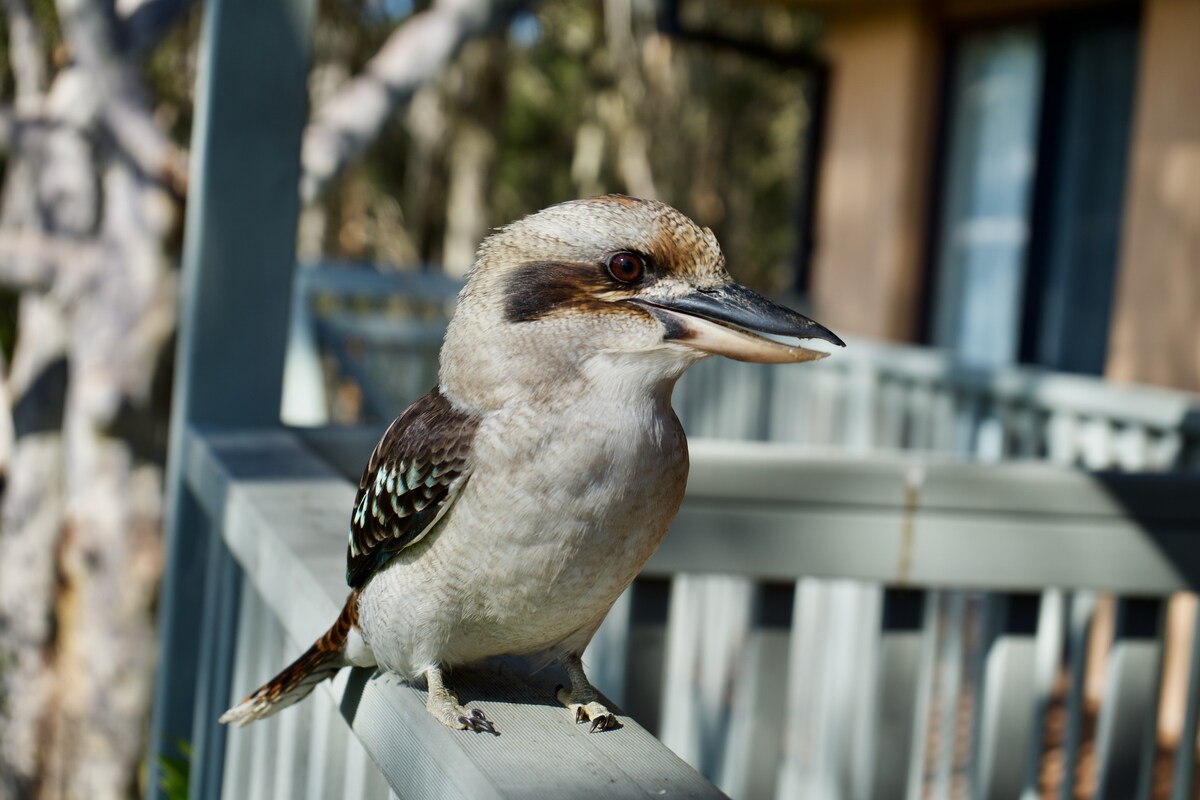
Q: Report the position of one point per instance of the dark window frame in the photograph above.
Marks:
(1053, 27)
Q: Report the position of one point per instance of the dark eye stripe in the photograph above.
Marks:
(538, 289)
(541, 289)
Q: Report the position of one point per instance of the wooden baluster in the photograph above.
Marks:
(1126, 731)
(218, 634)
(754, 748)
(708, 627)
(943, 412)
(1132, 451)
(1083, 607)
(270, 647)
(861, 408)
(291, 766)
(1062, 437)
(1051, 647)
(1097, 441)
(647, 651)
(834, 652)
(245, 679)
(1008, 724)
(791, 404)
(325, 747)
(950, 657)
(800, 773)
(989, 434)
(920, 421)
(608, 653)
(894, 697)
(828, 394)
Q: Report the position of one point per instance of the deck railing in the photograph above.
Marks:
(276, 581)
(916, 617)
(793, 715)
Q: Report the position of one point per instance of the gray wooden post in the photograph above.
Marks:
(239, 254)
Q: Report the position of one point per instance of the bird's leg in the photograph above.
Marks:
(583, 699)
(444, 706)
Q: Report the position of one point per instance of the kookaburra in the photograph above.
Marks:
(504, 512)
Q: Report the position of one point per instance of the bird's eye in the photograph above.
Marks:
(627, 267)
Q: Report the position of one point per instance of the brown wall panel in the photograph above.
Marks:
(872, 196)
(1155, 335)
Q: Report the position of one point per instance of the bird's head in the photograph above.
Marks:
(617, 287)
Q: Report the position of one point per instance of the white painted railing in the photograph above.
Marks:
(896, 623)
(277, 511)
(384, 331)
(833, 686)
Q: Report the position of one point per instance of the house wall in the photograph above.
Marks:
(873, 193)
(873, 185)
(1155, 334)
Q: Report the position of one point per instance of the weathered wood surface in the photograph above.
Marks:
(283, 513)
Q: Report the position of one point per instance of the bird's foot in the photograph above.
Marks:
(588, 709)
(444, 706)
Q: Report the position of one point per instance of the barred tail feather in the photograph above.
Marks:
(319, 662)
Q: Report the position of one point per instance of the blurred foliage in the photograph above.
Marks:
(170, 75)
(577, 97)
(175, 771)
(568, 95)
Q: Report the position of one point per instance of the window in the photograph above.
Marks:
(1037, 136)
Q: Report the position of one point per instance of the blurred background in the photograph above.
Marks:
(998, 200)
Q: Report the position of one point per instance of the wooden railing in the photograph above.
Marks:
(384, 330)
(278, 515)
(818, 688)
(901, 611)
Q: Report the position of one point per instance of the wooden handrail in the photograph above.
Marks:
(282, 512)
(779, 512)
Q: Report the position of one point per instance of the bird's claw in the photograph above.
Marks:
(591, 711)
(477, 722)
(604, 722)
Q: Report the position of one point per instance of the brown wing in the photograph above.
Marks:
(413, 476)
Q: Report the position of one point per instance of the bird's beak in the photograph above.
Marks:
(706, 318)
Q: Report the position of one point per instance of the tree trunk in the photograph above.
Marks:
(31, 521)
(413, 56)
(86, 214)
